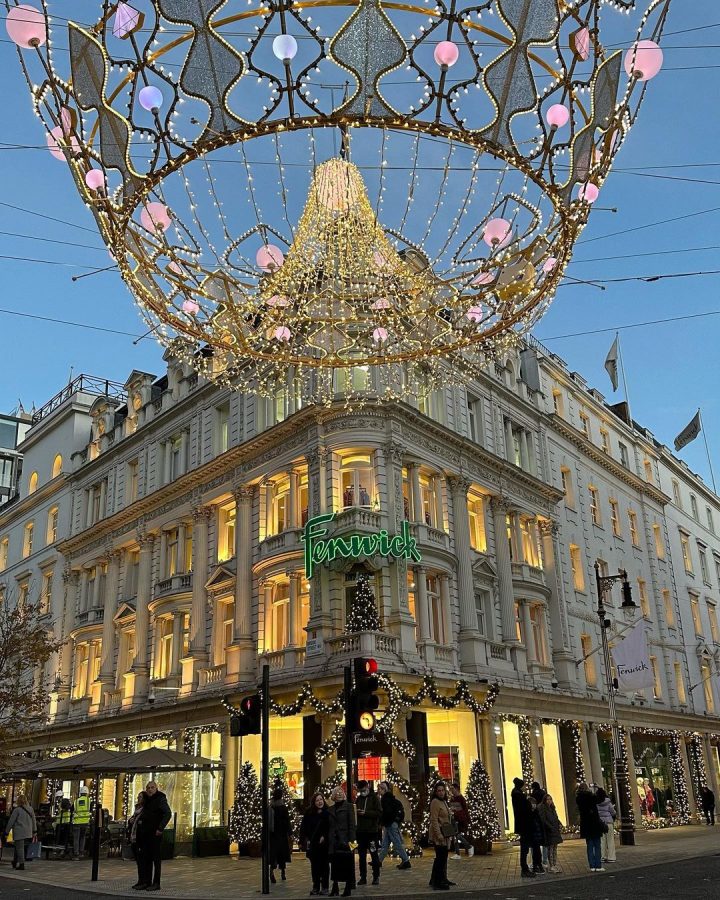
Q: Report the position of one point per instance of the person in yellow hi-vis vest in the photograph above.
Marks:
(63, 822)
(81, 822)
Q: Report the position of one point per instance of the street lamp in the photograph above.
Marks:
(620, 772)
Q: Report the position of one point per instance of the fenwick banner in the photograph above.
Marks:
(322, 549)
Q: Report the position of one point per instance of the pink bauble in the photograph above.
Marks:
(191, 307)
(475, 314)
(26, 26)
(278, 300)
(643, 60)
(379, 335)
(380, 303)
(269, 257)
(580, 43)
(557, 115)
(446, 54)
(497, 233)
(282, 333)
(589, 192)
(155, 217)
(67, 119)
(56, 138)
(95, 179)
(176, 269)
(549, 264)
(483, 278)
(380, 261)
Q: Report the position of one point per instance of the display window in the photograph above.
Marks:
(653, 778)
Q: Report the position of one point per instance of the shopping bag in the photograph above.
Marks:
(33, 850)
(342, 865)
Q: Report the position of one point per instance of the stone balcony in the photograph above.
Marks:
(92, 616)
(176, 584)
(523, 573)
(376, 644)
(291, 659)
(285, 542)
(429, 537)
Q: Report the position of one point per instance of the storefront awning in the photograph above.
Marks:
(156, 760)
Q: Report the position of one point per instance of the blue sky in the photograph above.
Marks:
(668, 168)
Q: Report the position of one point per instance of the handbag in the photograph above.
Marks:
(449, 829)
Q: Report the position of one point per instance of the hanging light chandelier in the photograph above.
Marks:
(307, 191)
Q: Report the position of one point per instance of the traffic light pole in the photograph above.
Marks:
(348, 732)
(265, 779)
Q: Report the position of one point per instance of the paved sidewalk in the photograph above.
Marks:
(224, 878)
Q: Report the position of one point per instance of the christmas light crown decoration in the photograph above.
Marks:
(354, 196)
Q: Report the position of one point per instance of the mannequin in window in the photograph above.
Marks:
(364, 496)
(348, 497)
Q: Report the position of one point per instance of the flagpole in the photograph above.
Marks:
(707, 450)
(624, 379)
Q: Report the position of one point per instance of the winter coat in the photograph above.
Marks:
(314, 826)
(155, 816)
(537, 793)
(22, 823)
(280, 834)
(606, 811)
(369, 811)
(342, 826)
(389, 805)
(458, 806)
(551, 827)
(439, 815)
(523, 813)
(590, 824)
(707, 800)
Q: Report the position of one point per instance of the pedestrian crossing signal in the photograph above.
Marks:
(364, 701)
(249, 719)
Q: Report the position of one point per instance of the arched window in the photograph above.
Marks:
(57, 466)
(33, 483)
(52, 525)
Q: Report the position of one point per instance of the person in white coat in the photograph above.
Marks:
(607, 813)
(24, 828)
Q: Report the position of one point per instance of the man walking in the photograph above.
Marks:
(391, 816)
(707, 799)
(81, 822)
(150, 826)
(367, 806)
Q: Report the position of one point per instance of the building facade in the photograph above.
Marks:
(169, 546)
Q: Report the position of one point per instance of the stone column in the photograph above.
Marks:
(328, 765)
(585, 752)
(562, 656)
(83, 604)
(63, 676)
(415, 493)
(421, 606)
(183, 453)
(103, 499)
(444, 581)
(595, 773)
(711, 766)
(243, 653)
(163, 565)
(692, 805)
(167, 453)
(108, 634)
(536, 742)
(509, 442)
(489, 755)
(293, 611)
(401, 763)
(229, 749)
(96, 585)
(631, 775)
(530, 649)
(470, 647)
(198, 615)
(524, 455)
(181, 561)
(267, 594)
(293, 519)
(140, 667)
(500, 510)
(175, 669)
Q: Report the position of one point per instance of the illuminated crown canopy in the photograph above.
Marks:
(317, 187)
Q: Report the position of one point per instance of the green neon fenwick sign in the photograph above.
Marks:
(321, 549)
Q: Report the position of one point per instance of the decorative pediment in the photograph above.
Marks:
(221, 576)
(125, 611)
(483, 568)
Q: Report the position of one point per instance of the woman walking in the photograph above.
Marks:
(132, 832)
(552, 833)
(342, 834)
(280, 835)
(607, 814)
(314, 832)
(591, 828)
(24, 828)
(441, 831)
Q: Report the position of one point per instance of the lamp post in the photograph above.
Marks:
(620, 774)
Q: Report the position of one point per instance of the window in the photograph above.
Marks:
(668, 607)
(657, 684)
(537, 621)
(585, 425)
(57, 466)
(96, 498)
(643, 594)
(647, 465)
(474, 418)
(226, 532)
(712, 616)
(595, 505)
(411, 588)
(677, 496)
(604, 439)
(356, 481)
(431, 501)
(624, 455)
(278, 506)
(175, 470)
(567, 486)
(80, 674)
(685, 548)
(163, 647)
(634, 536)
(615, 518)
(32, 483)
(131, 481)
(28, 540)
(23, 592)
(482, 610)
(178, 559)
(437, 621)
(558, 404)
(710, 520)
(577, 568)
(694, 506)
(476, 518)
(4, 544)
(132, 567)
(46, 592)
(707, 680)
(127, 652)
(680, 684)
(604, 571)
(518, 623)
(695, 612)
(717, 568)
(530, 542)
(185, 629)
(659, 542)
(222, 427)
(704, 565)
(588, 660)
(280, 622)
(52, 525)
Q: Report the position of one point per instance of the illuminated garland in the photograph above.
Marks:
(526, 760)
(698, 773)
(305, 696)
(191, 733)
(399, 698)
(576, 732)
(330, 745)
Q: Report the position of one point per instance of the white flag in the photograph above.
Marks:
(689, 432)
(632, 661)
(611, 364)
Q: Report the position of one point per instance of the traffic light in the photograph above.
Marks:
(248, 720)
(364, 701)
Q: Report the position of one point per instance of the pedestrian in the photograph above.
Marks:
(132, 830)
(23, 825)
(341, 836)
(707, 799)
(314, 833)
(459, 809)
(63, 824)
(528, 829)
(591, 827)
(391, 817)
(80, 822)
(443, 828)
(552, 830)
(280, 834)
(369, 810)
(151, 824)
(608, 814)
(537, 793)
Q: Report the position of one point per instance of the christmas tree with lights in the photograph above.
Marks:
(246, 813)
(484, 822)
(363, 615)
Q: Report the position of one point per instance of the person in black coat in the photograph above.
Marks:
(707, 799)
(591, 827)
(341, 836)
(150, 826)
(314, 839)
(280, 835)
(528, 829)
(367, 805)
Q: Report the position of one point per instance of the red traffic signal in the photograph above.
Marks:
(369, 666)
(363, 700)
(249, 719)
